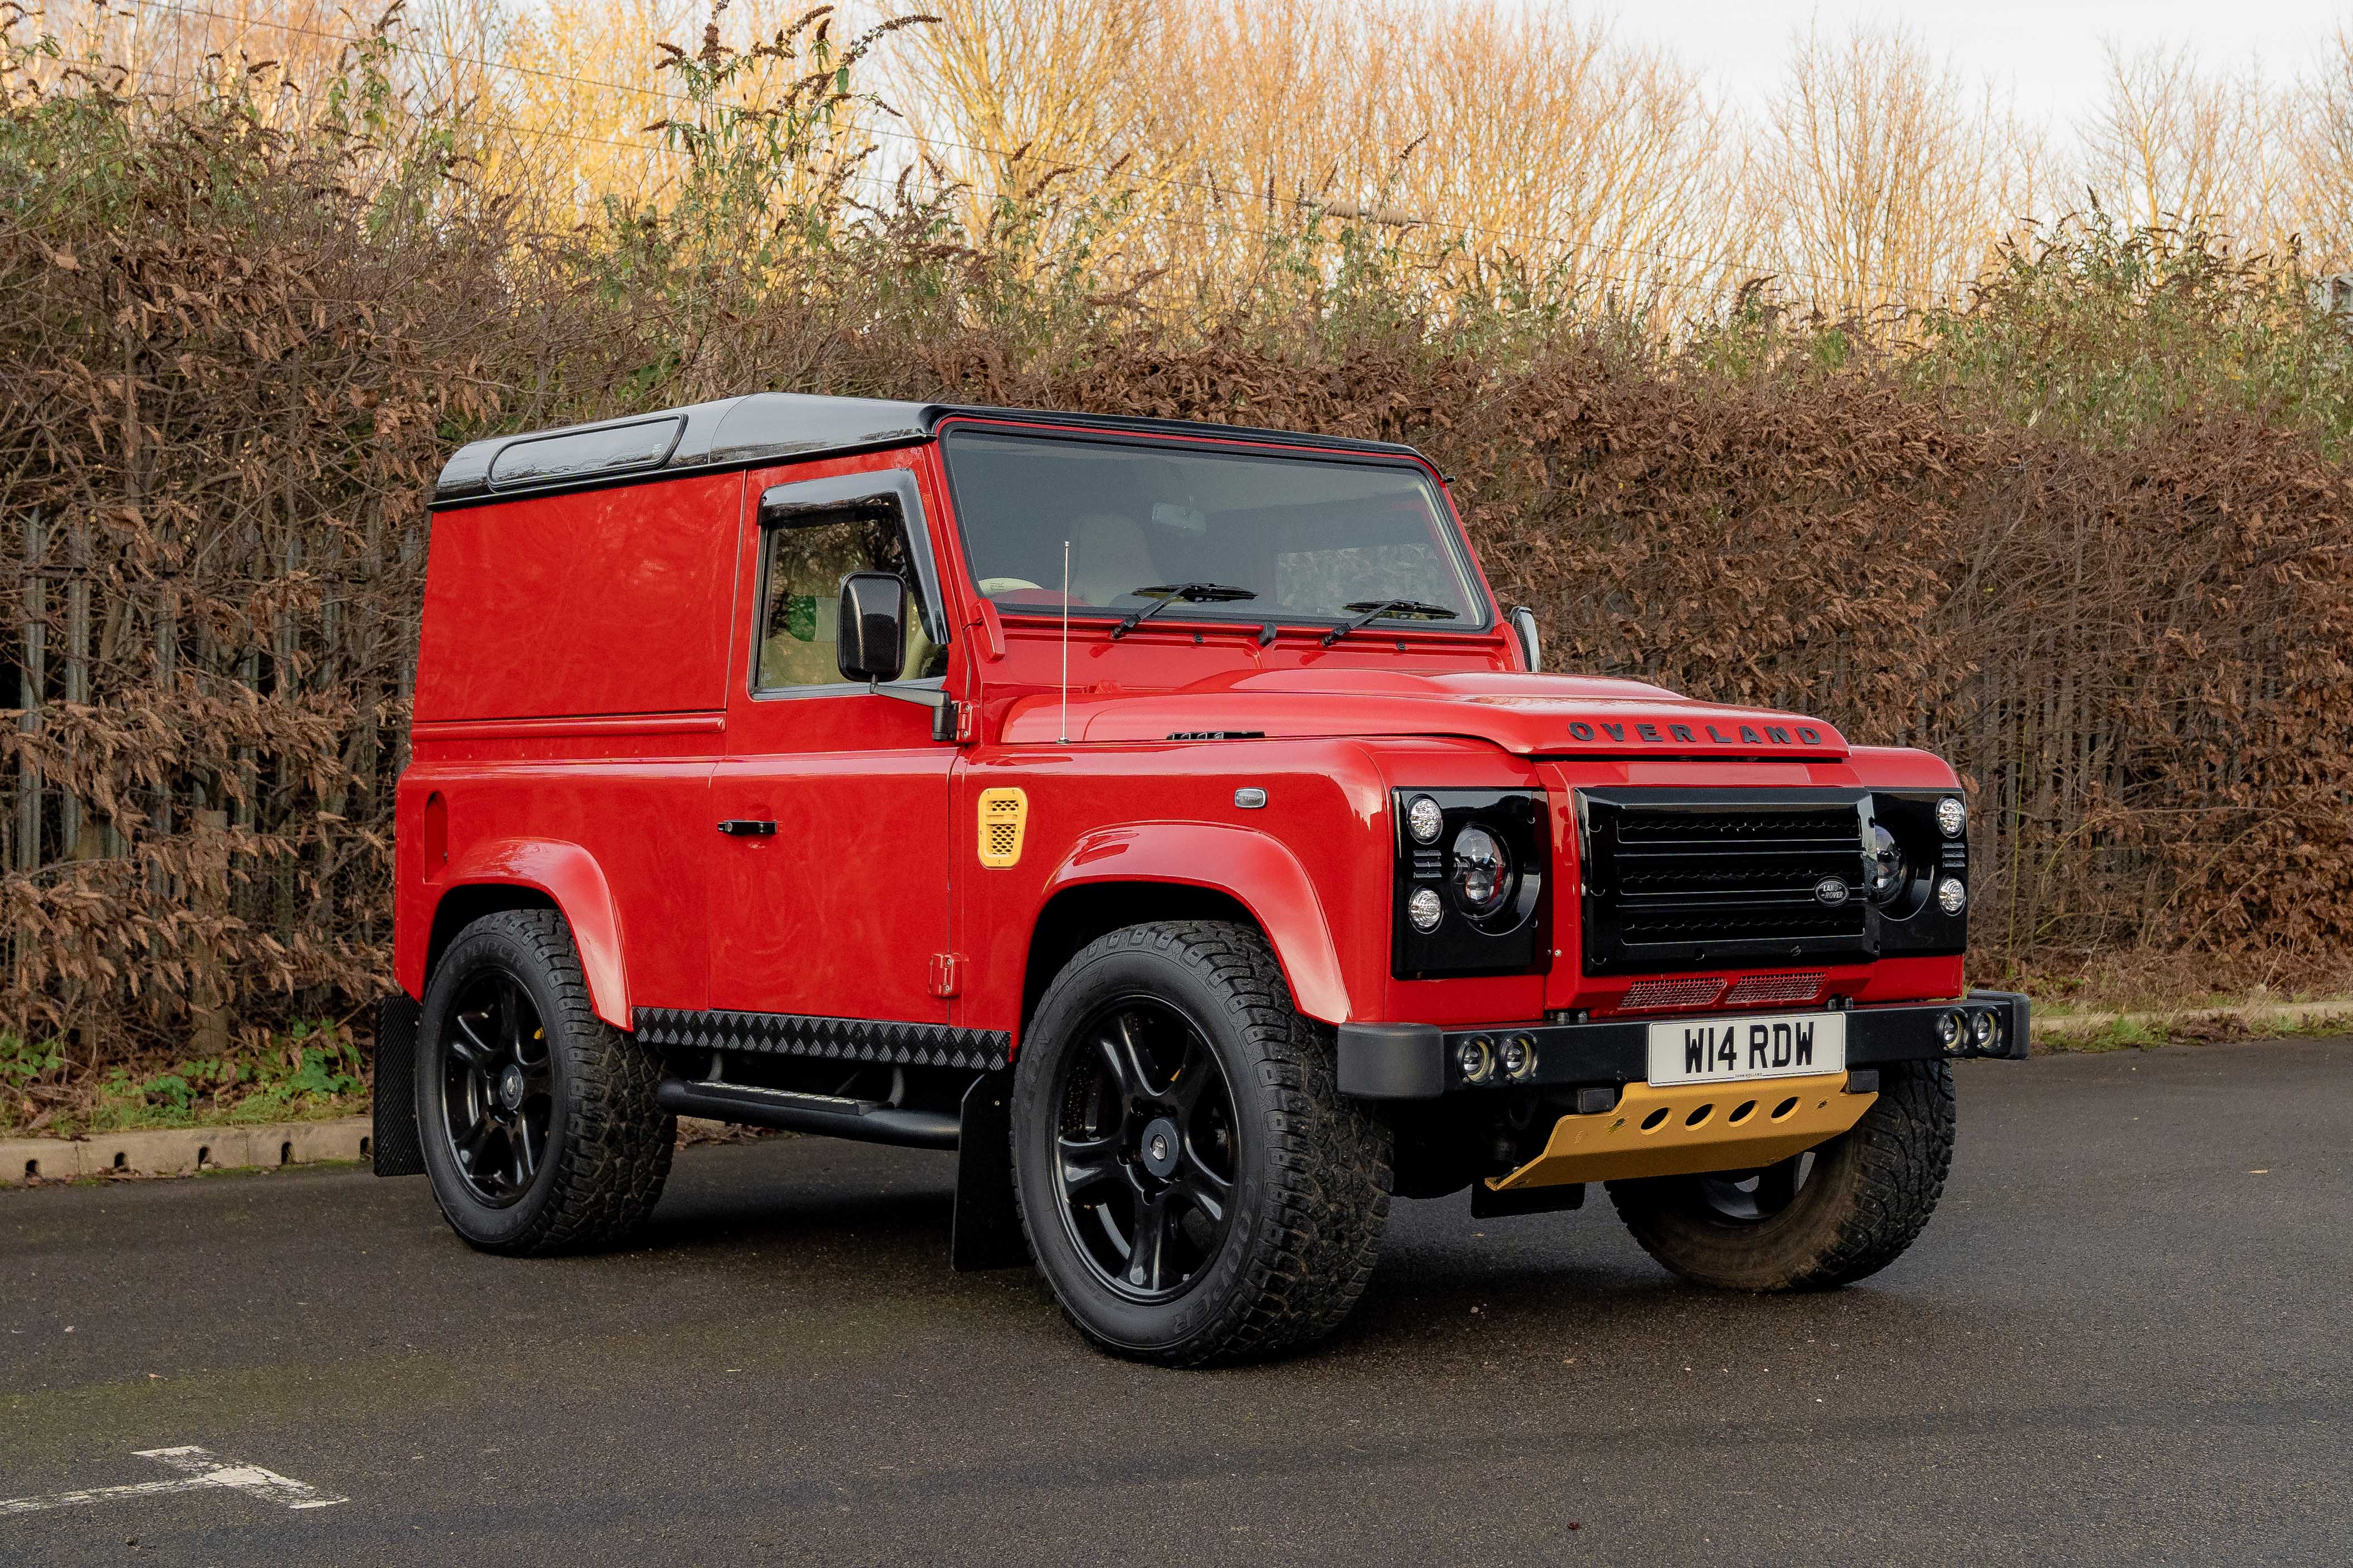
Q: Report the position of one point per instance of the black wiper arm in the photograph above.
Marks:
(1191, 593)
(1375, 610)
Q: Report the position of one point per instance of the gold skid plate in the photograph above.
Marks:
(1694, 1127)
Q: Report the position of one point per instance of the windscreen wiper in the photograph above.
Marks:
(1374, 610)
(1191, 593)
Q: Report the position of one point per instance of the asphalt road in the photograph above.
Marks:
(2127, 1337)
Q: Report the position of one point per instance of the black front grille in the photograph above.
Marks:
(1681, 880)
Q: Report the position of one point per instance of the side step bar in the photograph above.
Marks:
(831, 1115)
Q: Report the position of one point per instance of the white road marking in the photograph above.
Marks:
(199, 1471)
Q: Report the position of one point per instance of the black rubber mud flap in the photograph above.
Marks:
(987, 1230)
(398, 1152)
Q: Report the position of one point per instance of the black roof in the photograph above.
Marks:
(759, 428)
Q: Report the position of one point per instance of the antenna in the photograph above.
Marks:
(1066, 642)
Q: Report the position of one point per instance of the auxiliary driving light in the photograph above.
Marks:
(1982, 1030)
(1474, 1058)
(1518, 1057)
(1951, 816)
(1950, 1030)
(1424, 909)
(1424, 820)
(1951, 895)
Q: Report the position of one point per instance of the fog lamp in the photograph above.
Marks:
(1474, 1058)
(1518, 1057)
(1950, 1030)
(1424, 820)
(1951, 816)
(1951, 895)
(1424, 909)
(1982, 1030)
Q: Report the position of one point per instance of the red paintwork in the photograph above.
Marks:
(565, 729)
(606, 573)
(570, 874)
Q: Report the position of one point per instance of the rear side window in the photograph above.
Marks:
(803, 557)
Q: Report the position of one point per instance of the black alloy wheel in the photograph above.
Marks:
(1145, 1149)
(497, 1083)
(541, 1124)
(1192, 1184)
(1757, 1195)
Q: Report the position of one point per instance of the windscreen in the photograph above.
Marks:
(1215, 535)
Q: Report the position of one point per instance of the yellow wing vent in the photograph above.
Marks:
(1003, 815)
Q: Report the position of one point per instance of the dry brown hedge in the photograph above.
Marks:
(228, 377)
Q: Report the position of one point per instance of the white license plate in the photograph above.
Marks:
(1728, 1050)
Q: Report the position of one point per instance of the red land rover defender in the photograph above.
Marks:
(1166, 818)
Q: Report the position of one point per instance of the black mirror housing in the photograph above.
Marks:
(871, 640)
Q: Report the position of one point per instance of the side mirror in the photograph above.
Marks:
(1523, 621)
(870, 643)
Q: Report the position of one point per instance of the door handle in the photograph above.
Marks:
(747, 827)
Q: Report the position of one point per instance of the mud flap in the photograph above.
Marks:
(398, 1152)
(987, 1230)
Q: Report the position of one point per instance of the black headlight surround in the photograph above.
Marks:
(1914, 922)
(1516, 939)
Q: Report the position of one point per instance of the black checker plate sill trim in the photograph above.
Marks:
(835, 1040)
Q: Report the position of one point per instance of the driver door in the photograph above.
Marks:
(831, 897)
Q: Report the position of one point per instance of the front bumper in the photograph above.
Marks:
(1419, 1062)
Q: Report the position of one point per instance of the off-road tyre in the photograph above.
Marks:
(609, 1143)
(1312, 1169)
(1867, 1198)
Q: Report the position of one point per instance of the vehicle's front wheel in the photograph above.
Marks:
(1193, 1186)
(538, 1120)
(1824, 1218)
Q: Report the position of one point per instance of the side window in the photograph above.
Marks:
(804, 559)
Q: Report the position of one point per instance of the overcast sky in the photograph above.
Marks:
(2047, 51)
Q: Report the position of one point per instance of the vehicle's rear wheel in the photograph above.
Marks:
(1824, 1218)
(1192, 1184)
(540, 1129)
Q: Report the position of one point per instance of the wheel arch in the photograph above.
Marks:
(1158, 871)
(525, 874)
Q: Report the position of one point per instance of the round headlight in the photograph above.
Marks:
(1951, 895)
(1424, 909)
(1424, 820)
(1951, 816)
(1950, 1031)
(1474, 1057)
(1482, 872)
(1981, 1030)
(1883, 866)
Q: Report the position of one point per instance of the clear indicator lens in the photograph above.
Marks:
(1424, 909)
(1951, 816)
(1482, 872)
(1951, 896)
(1424, 820)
